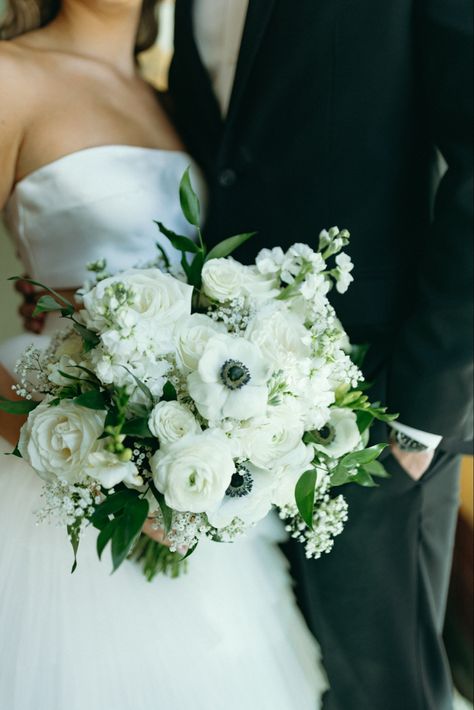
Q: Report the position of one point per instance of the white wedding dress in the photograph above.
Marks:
(226, 636)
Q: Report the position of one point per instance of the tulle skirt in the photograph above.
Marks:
(226, 635)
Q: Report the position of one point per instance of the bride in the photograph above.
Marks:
(89, 160)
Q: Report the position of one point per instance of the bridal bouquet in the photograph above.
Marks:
(200, 397)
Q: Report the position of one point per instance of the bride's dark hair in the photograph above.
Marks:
(25, 15)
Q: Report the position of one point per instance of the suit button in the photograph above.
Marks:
(227, 177)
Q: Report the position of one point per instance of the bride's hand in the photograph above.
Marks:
(10, 424)
(156, 535)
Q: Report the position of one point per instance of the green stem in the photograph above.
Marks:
(155, 558)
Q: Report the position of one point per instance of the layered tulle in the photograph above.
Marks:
(226, 635)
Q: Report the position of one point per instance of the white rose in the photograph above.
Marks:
(153, 301)
(170, 421)
(194, 473)
(340, 434)
(222, 279)
(231, 380)
(248, 497)
(281, 337)
(107, 468)
(57, 441)
(192, 335)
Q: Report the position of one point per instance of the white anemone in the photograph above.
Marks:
(231, 380)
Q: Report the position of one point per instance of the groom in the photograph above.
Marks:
(310, 113)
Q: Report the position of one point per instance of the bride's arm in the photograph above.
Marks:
(10, 424)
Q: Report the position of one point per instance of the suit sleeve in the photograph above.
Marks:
(430, 377)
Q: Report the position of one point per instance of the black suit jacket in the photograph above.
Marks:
(338, 110)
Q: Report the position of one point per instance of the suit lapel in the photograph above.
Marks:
(258, 16)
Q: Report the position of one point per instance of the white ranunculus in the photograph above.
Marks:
(170, 421)
(222, 279)
(281, 337)
(154, 301)
(248, 497)
(231, 379)
(194, 473)
(268, 440)
(57, 441)
(106, 468)
(191, 337)
(341, 432)
(288, 472)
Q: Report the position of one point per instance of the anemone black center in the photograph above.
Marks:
(241, 483)
(325, 435)
(235, 374)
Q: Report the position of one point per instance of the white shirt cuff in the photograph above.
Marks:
(432, 441)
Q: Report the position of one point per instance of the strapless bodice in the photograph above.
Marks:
(97, 203)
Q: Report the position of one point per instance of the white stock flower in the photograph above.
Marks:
(340, 434)
(106, 468)
(194, 473)
(56, 441)
(270, 261)
(231, 379)
(170, 421)
(192, 335)
(343, 272)
(143, 300)
(248, 497)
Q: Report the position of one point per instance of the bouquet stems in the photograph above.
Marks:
(155, 558)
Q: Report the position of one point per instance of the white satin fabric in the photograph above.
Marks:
(228, 634)
(97, 203)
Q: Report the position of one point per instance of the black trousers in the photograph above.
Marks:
(377, 602)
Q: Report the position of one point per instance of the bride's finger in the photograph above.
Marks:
(158, 535)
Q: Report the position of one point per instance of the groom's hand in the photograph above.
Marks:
(414, 463)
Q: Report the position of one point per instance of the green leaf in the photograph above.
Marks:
(48, 304)
(141, 385)
(229, 245)
(137, 427)
(92, 400)
(45, 288)
(169, 392)
(181, 243)
(112, 505)
(129, 526)
(195, 270)
(15, 452)
(166, 512)
(189, 552)
(375, 468)
(340, 476)
(90, 339)
(163, 254)
(74, 535)
(364, 479)
(358, 458)
(364, 420)
(105, 536)
(189, 200)
(304, 496)
(20, 407)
